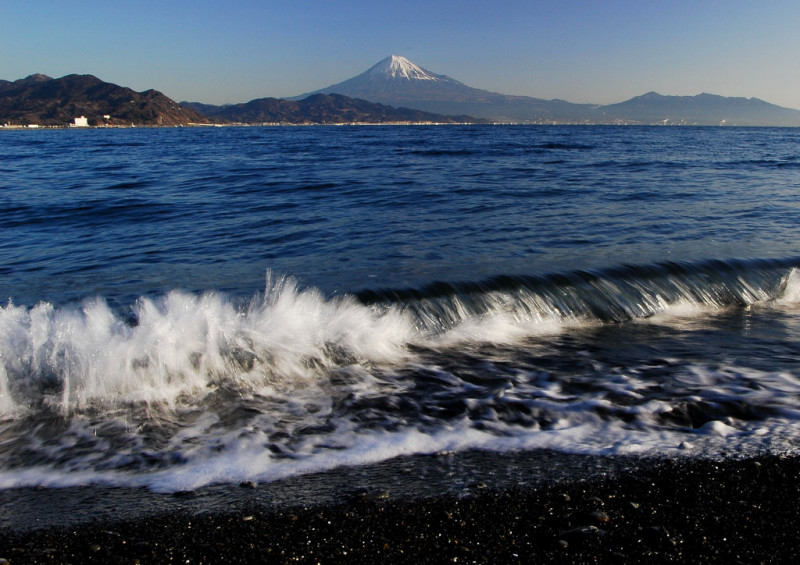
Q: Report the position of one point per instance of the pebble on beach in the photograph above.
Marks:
(728, 512)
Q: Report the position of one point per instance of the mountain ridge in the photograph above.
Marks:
(320, 109)
(445, 95)
(42, 100)
(394, 90)
(438, 93)
(711, 109)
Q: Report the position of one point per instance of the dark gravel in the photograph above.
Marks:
(745, 511)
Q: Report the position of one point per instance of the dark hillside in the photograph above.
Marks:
(39, 99)
(321, 109)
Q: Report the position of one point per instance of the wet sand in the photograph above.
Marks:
(743, 511)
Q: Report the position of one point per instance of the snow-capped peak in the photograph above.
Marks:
(400, 67)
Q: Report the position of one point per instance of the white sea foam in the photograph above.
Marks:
(200, 389)
(791, 292)
(245, 458)
(684, 309)
(186, 345)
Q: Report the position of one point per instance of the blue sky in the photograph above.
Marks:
(578, 50)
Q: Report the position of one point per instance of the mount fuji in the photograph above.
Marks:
(396, 81)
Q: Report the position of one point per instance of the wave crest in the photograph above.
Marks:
(186, 346)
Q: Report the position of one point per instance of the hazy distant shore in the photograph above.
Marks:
(231, 125)
(371, 124)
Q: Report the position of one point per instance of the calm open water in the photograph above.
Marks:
(188, 307)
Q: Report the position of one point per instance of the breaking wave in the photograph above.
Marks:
(185, 346)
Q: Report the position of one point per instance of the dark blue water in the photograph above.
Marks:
(199, 305)
(121, 213)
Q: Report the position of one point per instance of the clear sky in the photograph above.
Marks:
(600, 51)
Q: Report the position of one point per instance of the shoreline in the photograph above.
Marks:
(385, 124)
(690, 510)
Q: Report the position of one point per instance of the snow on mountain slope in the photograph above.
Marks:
(397, 81)
(400, 67)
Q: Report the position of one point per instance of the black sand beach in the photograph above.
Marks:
(736, 511)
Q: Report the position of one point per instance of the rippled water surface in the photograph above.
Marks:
(197, 306)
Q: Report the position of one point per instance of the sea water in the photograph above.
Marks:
(198, 306)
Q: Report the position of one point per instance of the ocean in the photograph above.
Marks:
(191, 307)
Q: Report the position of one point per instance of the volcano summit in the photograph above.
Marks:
(400, 67)
(396, 81)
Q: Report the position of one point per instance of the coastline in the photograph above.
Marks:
(745, 510)
(240, 125)
(386, 124)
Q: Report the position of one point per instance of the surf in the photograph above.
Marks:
(183, 346)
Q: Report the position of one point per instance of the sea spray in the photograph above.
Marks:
(186, 346)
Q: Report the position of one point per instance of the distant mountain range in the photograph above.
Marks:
(393, 90)
(320, 109)
(42, 100)
(396, 81)
(703, 109)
